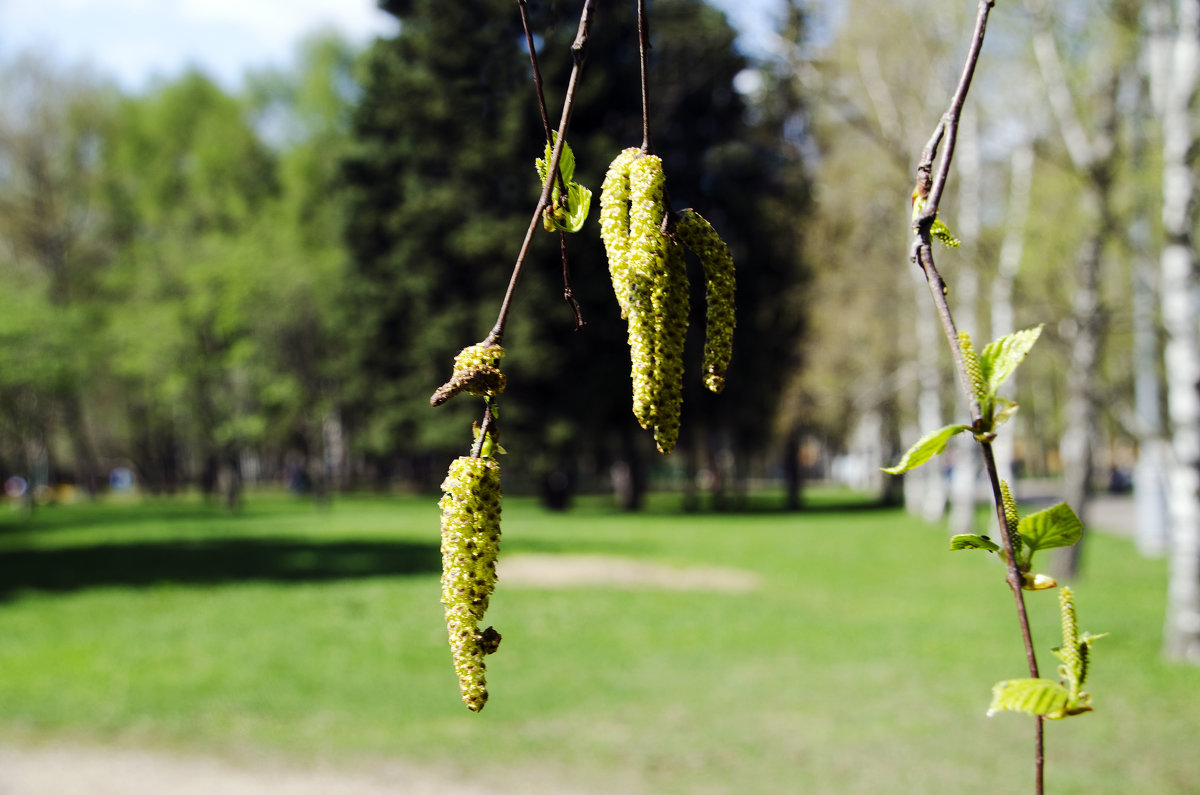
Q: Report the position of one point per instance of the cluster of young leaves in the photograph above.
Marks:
(569, 214)
(1057, 526)
(987, 371)
(1046, 697)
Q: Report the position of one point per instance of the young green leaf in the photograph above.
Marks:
(926, 448)
(1057, 526)
(1007, 409)
(1000, 358)
(571, 215)
(972, 541)
(1033, 696)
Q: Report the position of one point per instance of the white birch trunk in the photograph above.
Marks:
(1012, 248)
(1180, 314)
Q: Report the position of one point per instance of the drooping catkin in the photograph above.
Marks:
(614, 224)
(671, 322)
(699, 235)
(470, 542)
(646, 270)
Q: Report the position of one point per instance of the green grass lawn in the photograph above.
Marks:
(864, 663)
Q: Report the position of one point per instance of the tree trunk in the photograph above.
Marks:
(1077, 443)
(1008, 263)
(1180, 314)
(1149, 474)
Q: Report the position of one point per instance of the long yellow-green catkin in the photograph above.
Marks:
(671, 321)
(1072, 669)
(614, 224)
(699, 235)
(973, 367)
(1011, 519)
(470, 542)
(646, 269)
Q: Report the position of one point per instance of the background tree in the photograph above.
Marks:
(440, 178)
(51, 132)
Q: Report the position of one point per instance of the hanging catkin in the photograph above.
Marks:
(699, 235)
(647, 268)
(614, 224)
(670, 333)
(470, 542)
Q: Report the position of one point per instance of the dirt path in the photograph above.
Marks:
(81, 770)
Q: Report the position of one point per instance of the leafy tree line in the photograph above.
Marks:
(209, 288)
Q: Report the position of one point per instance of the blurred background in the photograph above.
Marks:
(240, 244)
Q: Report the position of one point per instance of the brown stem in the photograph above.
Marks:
(568, 293)
(644, 56)
(579, 53)
(929, 190)
(485, 428)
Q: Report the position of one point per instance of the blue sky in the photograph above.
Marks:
(136, 40)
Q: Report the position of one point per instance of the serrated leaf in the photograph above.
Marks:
(926, 448)
(1033, 696)
(1057, 526)
(566, 163)
(571, 215)
(973, 541)
(1000, 358)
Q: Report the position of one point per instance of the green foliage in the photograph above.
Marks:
(439, 196)
(1053, 700)
(1034, 696)
(1054, 527)
(1000, 358)
(986, 372)
(926, 448)
(973, 541)
(568, 215)
(1057, 526)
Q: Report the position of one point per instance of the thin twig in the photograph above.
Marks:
(568, 293)
(644, 57)
(930, 187)
(579, 53)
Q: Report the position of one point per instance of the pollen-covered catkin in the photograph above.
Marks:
(647, 269)
(470, 542)
(476, 372)
(671, 321)
(699, 235)
(973, 368)
(614, 224)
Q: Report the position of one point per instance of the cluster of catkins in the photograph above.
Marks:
(649, 276)
(471, 530)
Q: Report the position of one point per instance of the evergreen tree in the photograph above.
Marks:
(441, 183)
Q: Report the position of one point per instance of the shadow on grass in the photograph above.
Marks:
(209, 563)
(148, 512)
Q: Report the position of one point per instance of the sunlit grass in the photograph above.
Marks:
(863, 664)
